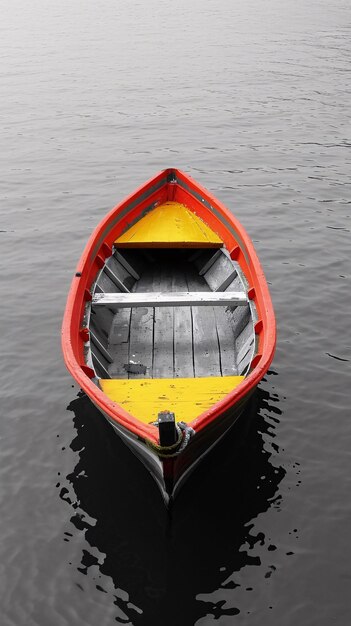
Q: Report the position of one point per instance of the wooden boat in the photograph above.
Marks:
(169, 325)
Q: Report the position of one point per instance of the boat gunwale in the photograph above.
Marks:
(99, 247)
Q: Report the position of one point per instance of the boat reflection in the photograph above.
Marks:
(160, 561)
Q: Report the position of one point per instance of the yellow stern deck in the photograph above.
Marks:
(186, 397)
(170, 225)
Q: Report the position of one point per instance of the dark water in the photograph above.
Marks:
(253, 100)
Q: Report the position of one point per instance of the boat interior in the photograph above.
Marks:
(181, 332)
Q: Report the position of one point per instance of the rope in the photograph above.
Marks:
(168, 452)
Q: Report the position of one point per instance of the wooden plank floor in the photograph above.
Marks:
(168, 342)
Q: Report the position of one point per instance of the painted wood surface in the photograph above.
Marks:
(169, 225)
(161, 299)
(186, 397)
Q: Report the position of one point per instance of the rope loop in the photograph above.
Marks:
(168, 452)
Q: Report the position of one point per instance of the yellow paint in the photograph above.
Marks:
(169, 225)
(187, 397)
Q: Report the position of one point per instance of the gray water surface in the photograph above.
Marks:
(253, 100)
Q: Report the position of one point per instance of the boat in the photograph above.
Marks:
(169, 325)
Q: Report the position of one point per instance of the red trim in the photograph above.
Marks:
(99, 247)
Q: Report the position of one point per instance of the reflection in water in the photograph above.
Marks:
(160, 563)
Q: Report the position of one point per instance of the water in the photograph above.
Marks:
(253, 100)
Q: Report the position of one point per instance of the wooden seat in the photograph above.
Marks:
(170, 225)
(173, 299)
(186, 397)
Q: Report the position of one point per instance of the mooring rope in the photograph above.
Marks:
(184, 433)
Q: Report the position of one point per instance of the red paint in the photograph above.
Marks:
(99, 246)
(234, 253)
(100, 261)
(256, 360)
(84, 334)
(258, 327)
(88, 371)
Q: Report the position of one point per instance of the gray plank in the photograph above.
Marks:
(99, 362)
(98, 332)
(246, 360)
(227, 330)
(220, 274)
(242, 338)
(239, 316)
(226, 342)
(99, 345)
(142, 331)
(182, 331)
(104, 284)
(119, 343)
(205, 339)
(161, 299)
(102, 318)
(206, 266)
(135, 258)
(244, 346)
(163, 328)
(123, 261)
(241, 353)
(118, 274)
(202, 258)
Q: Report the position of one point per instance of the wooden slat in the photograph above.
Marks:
(227, 331)
(105, 284)
(205, 339)
(98, 332)
(204, 264)
(220, 274)
(119, 275)
(160, 299)
(246, 360)
(182, 331)
(226, 342)
(138, 259)
(102, 317)
(123, 261)
(142, 331)
(163, 328)
(119, 343)
(239, 317)
(246, 335)
(247, 339)
(99, 362)
(100, 346)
